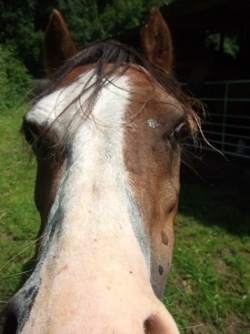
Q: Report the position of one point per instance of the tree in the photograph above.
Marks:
(24, 21)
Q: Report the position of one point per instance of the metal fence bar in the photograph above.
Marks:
(236, 142)
(221, 82)
(230, 116)
(215, 99)
(224, 116)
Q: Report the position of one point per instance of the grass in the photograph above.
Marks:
(209, 285)
(208, 288)
(18, 217)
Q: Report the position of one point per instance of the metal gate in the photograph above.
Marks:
(227, 125)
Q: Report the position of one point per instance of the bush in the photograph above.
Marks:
(15, 82)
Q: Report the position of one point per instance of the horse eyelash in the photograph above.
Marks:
(173, 135)
(31, 131)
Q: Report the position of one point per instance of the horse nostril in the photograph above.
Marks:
(9, 322)
(151, 325)
(159, 324)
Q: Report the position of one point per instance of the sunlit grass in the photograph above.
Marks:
(18, 217)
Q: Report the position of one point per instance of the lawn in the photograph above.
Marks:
(18, 217)
(209, 285)
(208, 289)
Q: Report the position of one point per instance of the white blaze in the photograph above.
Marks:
(96, 248)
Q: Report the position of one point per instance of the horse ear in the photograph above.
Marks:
(59, 45)
(156, 40)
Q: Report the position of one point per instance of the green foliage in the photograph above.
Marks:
(83, 20)
(89, 20)
(14, 78)
(23, 23)
(230, 46)
(18, 30)
(18, 216)
(122, 15)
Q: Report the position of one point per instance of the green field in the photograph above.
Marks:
(209, 286)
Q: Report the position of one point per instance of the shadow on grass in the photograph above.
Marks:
(219, 194)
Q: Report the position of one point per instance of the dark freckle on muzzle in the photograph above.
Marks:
(30, 292)
(160, 269)
(164, 238)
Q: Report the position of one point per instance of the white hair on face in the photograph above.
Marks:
(95, 218)
(96, 157)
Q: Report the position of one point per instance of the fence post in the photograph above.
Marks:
(224, 124)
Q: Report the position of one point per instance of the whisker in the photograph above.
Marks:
(32, 243)
(3, 302)
(16, 274)
(15, 256)
(197, 326)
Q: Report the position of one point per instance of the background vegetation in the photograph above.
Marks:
(208, 289)
(23, 23)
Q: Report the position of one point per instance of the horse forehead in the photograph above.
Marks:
(70, 100)
(146, 88)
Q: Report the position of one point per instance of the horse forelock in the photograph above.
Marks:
(110, 60)
(106, 62)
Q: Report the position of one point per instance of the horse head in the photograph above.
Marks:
(107, 136)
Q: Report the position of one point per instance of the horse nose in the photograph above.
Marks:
(160, 322)
(153, 325)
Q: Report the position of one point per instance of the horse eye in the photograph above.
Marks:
(32, 132)
(179, 134)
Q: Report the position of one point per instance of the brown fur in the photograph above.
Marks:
(156, 40)
(153, 166)
(59, 45)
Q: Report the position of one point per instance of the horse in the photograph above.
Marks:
(107, 135)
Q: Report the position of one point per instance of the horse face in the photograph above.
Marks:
(107, 142)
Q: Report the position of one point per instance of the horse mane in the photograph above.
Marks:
(111, 60)
(120, 57)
